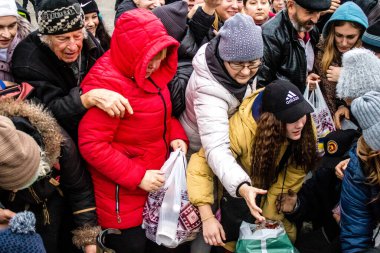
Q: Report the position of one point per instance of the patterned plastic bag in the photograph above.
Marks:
(321, 116)
(168, 217)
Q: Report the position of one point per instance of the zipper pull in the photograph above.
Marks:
(12, 196)
(118, 217)
(45, 212)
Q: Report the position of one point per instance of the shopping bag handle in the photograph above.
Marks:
(100, 240)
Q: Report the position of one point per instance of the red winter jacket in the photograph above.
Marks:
(119, 151)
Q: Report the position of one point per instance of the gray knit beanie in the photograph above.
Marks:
(240, 39)
(366, 110)
(359, 75)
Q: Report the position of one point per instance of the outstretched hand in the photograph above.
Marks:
(249, 193)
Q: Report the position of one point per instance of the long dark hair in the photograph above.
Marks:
(102, 35)
(270, 137)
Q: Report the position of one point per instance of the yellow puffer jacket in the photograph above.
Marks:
(242, 132)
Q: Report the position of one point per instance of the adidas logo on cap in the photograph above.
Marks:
(291, 97)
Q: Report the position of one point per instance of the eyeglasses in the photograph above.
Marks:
(240, 65)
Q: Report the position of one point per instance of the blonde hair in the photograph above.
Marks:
(331, 53)
(161, 55)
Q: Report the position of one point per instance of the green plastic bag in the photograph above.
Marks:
(269, 237)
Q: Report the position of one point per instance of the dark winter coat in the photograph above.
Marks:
(54, 82)
(63, 200)
(284, 56)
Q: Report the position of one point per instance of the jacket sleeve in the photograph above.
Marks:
(96, 133)
(68, 110)
(77, 186)
(200, 180)
(177, 87)
(356, 221)
(212, 118)
(271, 59)
(200, 24)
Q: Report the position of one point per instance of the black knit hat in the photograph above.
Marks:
(314, 5)
(371, 37)
(285, 101)
(89, 6)
(174, 18)
(336, 145)
(59, 17)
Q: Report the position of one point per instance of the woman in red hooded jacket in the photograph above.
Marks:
(124, 154)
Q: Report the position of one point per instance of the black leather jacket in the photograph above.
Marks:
(284, 56)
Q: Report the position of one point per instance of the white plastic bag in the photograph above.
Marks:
(321, 116)
(168, 216)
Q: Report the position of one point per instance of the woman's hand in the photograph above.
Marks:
(340, 168)
(152, 181)
(109, 101)
(5, 216)
(213, 232)
(339, 114)
(179, 144)
(249, 193)
(312, 79)
(333, 74)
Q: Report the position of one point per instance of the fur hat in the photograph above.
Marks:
(314, 5)
(174, 18)
(366, 110)
(59, 17)
(8, 8)
(88, 6)
(240, 39)
(21, 235)
(359, 75)
(371, 37)
(19, 157)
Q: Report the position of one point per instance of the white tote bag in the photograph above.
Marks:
(321, 116)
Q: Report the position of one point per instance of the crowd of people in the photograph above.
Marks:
(88, 118)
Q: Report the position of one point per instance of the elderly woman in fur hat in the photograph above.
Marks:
(41, 171)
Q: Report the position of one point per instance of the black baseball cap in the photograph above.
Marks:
(285, 101)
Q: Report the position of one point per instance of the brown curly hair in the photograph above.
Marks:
(270, 137)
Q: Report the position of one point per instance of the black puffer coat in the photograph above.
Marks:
(284, 56)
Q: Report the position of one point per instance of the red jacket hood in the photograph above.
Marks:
(138, 36)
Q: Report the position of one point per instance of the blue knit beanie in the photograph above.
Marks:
(348, 11)
(21, 235)
(366, 110)
(240, 39)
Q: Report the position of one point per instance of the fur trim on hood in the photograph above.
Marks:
(41, 119)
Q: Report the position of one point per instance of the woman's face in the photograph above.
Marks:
(278, 5)
(91, 22)
(229, 8)
(242, 72)
(294, 130)
(8, 30)
(346, 37)
(258, 10)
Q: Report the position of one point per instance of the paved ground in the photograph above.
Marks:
(106, 8)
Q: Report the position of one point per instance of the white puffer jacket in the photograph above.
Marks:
(208, 107)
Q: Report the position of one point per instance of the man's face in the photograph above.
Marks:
(68, 46)
(8, 30)
(302, 19)
(148, 4)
